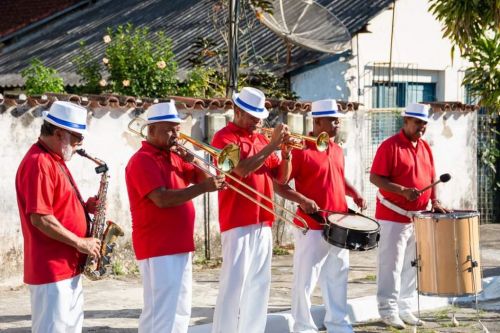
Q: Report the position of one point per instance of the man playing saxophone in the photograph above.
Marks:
(54, 223)
(157, 178)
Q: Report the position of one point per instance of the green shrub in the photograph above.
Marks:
(139, 64)
(89, 70)
(40, 79)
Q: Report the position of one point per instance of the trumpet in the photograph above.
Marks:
(229, 157)
(321, 141)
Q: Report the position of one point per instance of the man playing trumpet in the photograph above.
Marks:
(157, 178)
(245, 226)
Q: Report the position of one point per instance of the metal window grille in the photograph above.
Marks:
(380, 124)
(488, 194)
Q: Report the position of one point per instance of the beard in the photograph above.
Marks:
(66, 149)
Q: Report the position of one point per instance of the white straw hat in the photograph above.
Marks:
(325, 108)
(67, 115)
(163, 112)
(252, 101)
(419, 111)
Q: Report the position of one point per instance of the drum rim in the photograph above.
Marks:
(427, 293)
(328, 222)
(464, 214)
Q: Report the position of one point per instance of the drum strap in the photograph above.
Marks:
(393, 207)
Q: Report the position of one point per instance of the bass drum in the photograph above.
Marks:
(351, 231)
(448, 259)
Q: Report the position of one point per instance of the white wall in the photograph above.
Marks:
(452, 136)
(417, 40)
(108, 139)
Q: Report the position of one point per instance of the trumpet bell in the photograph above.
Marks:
(322, 141)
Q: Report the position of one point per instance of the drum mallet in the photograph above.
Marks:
(442, 179)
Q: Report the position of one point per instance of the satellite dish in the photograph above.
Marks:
(308, 24)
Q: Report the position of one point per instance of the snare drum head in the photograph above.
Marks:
(353, 221)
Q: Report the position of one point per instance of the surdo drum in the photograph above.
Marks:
(448, 260)
(351, 231)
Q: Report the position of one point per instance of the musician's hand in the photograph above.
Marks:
(438, 208)
(186, 157)
(91, 204)
(360, 202)
(308, 206)
(90, 246)
(279, 135)
(214, 183)
(288, 142)
(411, 194)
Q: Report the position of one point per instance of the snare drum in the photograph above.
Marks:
(448, 259)
(352, 231)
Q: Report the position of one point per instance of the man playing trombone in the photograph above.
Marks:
(157, 178)
(245, 226)
(320, 184)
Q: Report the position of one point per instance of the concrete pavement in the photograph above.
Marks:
(114, 305)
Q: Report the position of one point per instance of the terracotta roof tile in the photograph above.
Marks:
(183, 103)
(18, 14)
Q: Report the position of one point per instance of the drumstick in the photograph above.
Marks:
(443, 178)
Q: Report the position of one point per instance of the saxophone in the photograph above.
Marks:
(106, 231)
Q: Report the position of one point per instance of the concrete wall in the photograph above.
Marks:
(417, 41)
(109, 140)
(452, 136)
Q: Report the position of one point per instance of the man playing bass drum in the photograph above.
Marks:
(403, 164)
(320, 184)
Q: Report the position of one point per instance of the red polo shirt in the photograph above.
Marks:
(320, 176)
(159, 231)
(43, 187)
(406, 165)
(234, 209)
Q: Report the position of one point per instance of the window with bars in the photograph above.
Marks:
(400, 94)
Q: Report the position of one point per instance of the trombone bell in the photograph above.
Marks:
(137, 126)
(228, 157)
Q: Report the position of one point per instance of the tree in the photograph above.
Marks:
(473, 27)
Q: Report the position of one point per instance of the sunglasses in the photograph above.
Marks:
(78, 137)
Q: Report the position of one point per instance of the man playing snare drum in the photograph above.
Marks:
(320, 184)
(402, 165)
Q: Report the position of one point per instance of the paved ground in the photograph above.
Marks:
(113, 305)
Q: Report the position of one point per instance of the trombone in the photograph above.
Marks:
(227, 158)
(321, 141)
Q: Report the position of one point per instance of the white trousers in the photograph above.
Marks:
(167, 284)
(244, 280)
(396, 280)
(57, 307)
(315, 260)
